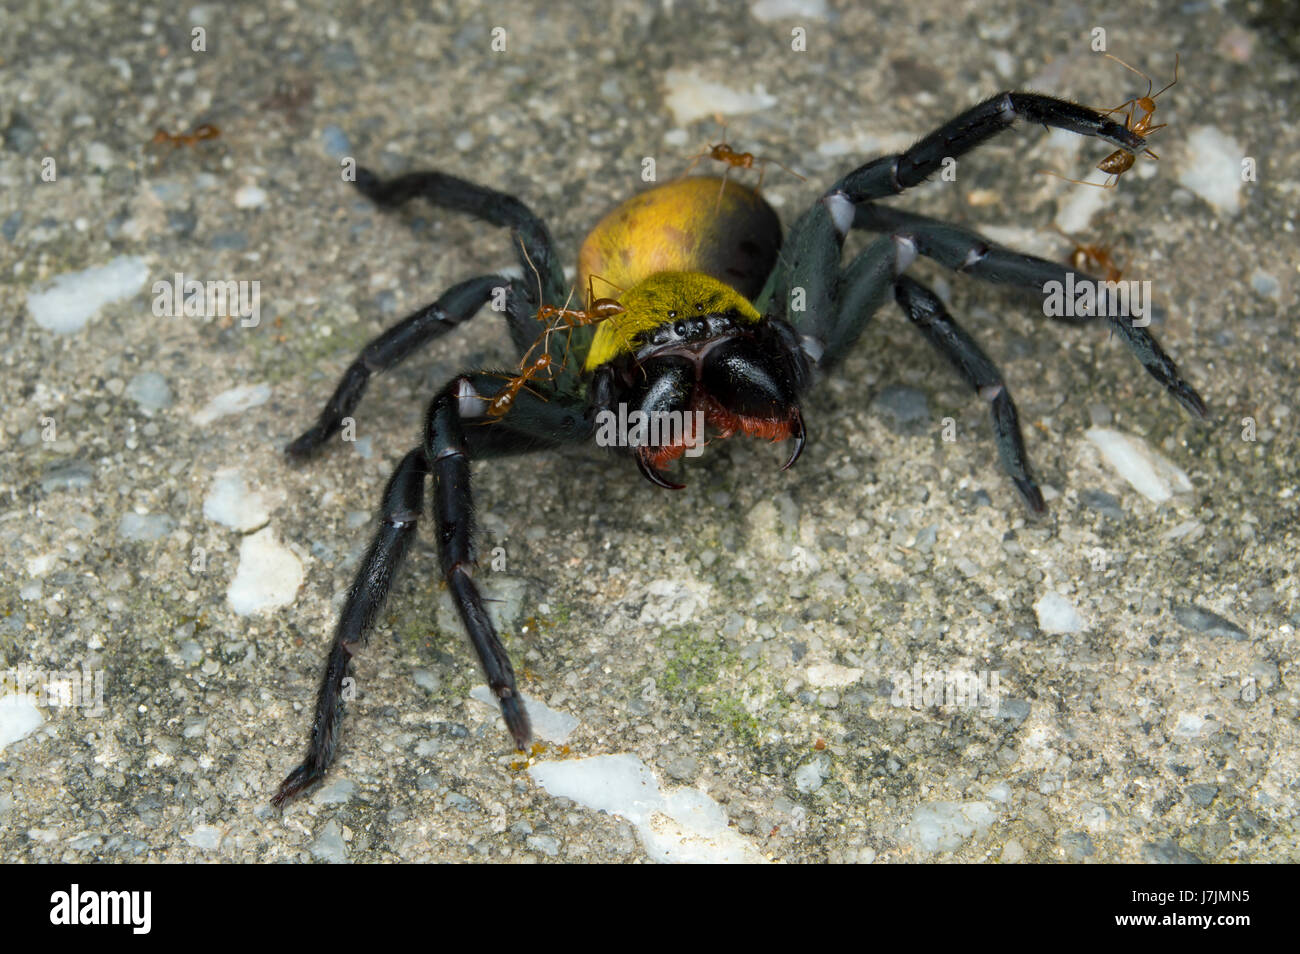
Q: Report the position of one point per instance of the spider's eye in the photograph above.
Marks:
(672, 314)
(699, 306)
(679, 329)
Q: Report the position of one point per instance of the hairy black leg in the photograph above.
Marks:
(453, 508)
(536, 247)
(403, 501)
(458, 304)
(925, 310)
(966, 251)
(890, 175)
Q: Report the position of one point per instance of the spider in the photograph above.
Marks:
(719, 319)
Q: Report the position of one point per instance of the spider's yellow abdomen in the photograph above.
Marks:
(712, 244)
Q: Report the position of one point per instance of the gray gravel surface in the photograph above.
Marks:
(745, 637)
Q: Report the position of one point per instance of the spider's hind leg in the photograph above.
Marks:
(403, 501)
(925, 311)
(965, 251)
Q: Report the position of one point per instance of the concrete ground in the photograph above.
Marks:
(748, 638)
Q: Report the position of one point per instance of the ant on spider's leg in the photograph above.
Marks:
(1121, 160)
(206, 131)
(500, 404)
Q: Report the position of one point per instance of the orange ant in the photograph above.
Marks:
(207, 131)
(1121, 160)
(1090, 257)
(504, 400)
(724, 153)
(598, 309)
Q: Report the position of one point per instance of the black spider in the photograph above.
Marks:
(727, 325)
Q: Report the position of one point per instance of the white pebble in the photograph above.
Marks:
(73, 297)
(269, 575)
(19, 718)
(943, 826)
(826, 675)
(1211, 166)
(230, 503)
(690, 97)
(1150, 474)
(205, 837)
(1056, 614)
(769, 11)
(232, 402)
(249, 197)
(683, 825)
(547, 723)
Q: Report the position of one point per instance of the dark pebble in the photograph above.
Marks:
(20, 137)
(235, 241)
(1167, 853)
(904, 410)
(1201, 620)
(68, 475)
(1102, 502)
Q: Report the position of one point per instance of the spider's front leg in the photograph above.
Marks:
(890, 175)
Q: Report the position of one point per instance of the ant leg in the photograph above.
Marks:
(458, 304)
(403, 501)
(890, 175)
(932, 320)
(490, 205)
(965, 251)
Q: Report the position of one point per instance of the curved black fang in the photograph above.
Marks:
(800, 438)
(654, 476)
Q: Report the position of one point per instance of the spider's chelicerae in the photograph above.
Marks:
(716, 321)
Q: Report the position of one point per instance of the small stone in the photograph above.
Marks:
(268, 576)
(145, 527)
(335, 793)
(204, 837)
(1056, 614)
(335, 142)
(249, 197)
(19, 718)
(683, 768)
(1167, 852)
(1105, 504)
(904, 410)
(1201, 794)
(329, 846)
(546, 844)
(809, 777)
(149, 389)
(1201, 620)
(68, 475)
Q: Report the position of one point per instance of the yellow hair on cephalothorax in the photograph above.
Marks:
(662, 299)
